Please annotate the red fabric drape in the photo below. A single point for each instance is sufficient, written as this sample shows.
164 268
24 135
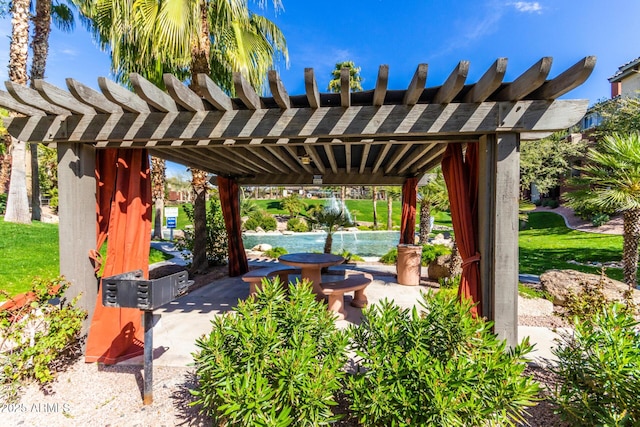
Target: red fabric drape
230 203
408 218
124 214
461 177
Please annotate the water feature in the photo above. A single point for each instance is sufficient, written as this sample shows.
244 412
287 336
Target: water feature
363 243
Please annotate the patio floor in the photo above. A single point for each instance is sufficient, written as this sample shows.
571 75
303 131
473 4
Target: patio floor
179 323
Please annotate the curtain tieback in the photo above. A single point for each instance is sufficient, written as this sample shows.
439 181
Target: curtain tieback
471 259
96 258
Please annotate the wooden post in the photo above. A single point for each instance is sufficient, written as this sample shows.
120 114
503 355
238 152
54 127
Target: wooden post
77 228
498 222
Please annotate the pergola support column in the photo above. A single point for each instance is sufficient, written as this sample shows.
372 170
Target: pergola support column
77 227
499 172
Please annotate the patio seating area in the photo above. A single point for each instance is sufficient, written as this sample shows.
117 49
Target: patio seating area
178 324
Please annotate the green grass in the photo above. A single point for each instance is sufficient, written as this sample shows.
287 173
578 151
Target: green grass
27 251
547 244
30 251
362 209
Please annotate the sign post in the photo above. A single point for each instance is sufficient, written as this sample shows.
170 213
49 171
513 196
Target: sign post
171 215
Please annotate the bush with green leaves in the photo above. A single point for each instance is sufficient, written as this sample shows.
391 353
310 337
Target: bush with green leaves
599 219
275 252
262 219
277 361
3 203
437 366
429 253
38 338
298 225
217 242
599 368
390 257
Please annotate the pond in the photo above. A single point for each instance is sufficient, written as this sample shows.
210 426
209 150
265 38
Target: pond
363 243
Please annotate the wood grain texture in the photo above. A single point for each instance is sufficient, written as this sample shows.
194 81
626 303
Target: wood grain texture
91 97
213 94
181 94
153 95
61 98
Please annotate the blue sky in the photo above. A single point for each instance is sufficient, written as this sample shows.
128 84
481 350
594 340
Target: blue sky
404 33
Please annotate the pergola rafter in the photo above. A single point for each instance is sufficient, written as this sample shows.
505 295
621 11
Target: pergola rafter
374 137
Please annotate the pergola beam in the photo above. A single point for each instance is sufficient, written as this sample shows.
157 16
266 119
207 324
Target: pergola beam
181 94
213 94
153 95
528 81
453 84
61 98
381 85
416 87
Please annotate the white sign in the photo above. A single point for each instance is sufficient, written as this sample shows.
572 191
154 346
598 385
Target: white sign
171 212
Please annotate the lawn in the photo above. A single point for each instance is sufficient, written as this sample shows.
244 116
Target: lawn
30 251
360 209
547 244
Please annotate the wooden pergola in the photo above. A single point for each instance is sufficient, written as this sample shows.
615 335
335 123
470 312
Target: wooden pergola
375 137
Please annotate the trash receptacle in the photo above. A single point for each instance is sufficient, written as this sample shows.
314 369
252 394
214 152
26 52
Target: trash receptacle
408 264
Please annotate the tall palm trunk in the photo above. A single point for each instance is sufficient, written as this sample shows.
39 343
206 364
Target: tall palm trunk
200 64
328 242
199 185
40 49
631 238
425 222
17 200
389 211
5 166
374 191
158 168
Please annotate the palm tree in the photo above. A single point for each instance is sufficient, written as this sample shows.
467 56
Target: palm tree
612 179
61 14
158 169
393 193
355 81
17 202
374 199
433 195
330 219
213 37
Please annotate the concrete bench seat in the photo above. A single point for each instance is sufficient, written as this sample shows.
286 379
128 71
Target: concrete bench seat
254 277
335 292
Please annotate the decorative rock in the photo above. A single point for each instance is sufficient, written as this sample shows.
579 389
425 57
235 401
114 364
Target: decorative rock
439 267
262 247
259 230
559 282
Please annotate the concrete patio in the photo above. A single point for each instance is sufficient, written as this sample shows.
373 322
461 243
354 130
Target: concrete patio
178 324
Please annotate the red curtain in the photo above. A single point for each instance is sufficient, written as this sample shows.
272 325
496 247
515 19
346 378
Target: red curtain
124 215
230 203
408 219
461 176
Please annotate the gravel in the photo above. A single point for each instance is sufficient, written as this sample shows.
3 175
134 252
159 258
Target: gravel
97 395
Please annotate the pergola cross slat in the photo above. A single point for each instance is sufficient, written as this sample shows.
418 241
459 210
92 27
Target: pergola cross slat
376 137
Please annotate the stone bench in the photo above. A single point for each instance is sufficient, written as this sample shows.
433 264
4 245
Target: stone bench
254 277
335 292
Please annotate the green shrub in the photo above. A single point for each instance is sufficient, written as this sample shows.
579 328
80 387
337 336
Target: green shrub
275 362
431 252
599 365
599 219
298 225
38 338
348 256
217 242
390 257
262 219
3 203
275 252
450 282
438 367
